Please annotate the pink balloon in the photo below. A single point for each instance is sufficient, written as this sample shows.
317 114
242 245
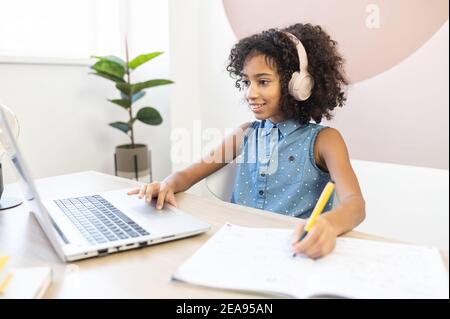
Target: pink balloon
373 36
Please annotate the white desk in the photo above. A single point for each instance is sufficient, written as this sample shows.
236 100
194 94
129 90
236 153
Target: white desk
141 273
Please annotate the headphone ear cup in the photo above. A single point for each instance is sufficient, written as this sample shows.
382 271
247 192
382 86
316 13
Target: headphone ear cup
293 87
300 86
306 86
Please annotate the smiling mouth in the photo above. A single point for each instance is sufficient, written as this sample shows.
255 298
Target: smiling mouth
257 107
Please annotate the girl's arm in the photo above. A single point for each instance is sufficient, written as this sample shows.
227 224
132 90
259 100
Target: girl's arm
184 179
332 156
215 160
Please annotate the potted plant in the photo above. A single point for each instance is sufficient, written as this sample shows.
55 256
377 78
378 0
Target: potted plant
130 159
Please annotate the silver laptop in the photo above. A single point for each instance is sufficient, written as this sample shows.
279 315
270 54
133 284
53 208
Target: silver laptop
89 225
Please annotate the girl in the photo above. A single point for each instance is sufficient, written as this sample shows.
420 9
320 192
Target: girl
290 77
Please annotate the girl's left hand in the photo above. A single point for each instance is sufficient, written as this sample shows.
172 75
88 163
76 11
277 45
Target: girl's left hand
319 242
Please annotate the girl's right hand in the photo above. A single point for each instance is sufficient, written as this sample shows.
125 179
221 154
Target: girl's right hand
160 190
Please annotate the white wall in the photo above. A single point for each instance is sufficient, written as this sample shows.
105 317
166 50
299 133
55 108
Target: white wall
63 112
401 115
200 40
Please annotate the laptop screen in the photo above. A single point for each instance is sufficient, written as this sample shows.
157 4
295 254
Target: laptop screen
26 182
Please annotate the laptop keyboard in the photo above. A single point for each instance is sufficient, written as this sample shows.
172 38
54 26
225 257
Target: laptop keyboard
98 220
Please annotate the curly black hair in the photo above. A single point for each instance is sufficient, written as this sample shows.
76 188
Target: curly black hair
325 64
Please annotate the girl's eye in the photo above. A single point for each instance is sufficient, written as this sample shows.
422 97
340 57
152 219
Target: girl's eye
246 83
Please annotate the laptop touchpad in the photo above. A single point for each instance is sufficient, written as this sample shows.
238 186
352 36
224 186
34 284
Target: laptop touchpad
142 212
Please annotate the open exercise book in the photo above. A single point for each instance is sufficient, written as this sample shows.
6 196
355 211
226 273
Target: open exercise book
260 260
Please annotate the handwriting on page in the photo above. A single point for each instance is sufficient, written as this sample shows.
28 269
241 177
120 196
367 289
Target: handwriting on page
367 268
249 258
260 259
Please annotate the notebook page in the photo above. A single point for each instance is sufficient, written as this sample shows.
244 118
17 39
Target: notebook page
260 259
369 269
250 259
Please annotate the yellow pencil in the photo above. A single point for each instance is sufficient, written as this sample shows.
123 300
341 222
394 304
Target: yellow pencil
4 280
320 205
4 284
3 261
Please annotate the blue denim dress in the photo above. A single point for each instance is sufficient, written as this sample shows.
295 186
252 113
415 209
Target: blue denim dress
276 169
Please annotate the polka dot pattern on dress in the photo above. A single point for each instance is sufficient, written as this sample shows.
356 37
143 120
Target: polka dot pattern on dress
294 185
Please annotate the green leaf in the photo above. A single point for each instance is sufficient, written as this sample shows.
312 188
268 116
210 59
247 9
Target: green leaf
110 68
124 88
107 76
149 115
112 58
134 89
148 84
121 126
123 103
143 58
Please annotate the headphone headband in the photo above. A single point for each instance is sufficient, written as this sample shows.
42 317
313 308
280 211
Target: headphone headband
301 84
302 57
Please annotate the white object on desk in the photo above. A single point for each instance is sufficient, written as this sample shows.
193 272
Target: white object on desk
260 259
11 119
28 283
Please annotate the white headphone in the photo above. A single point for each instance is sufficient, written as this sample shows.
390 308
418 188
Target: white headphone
301 83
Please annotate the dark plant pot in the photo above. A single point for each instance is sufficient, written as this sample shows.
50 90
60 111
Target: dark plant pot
132 162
